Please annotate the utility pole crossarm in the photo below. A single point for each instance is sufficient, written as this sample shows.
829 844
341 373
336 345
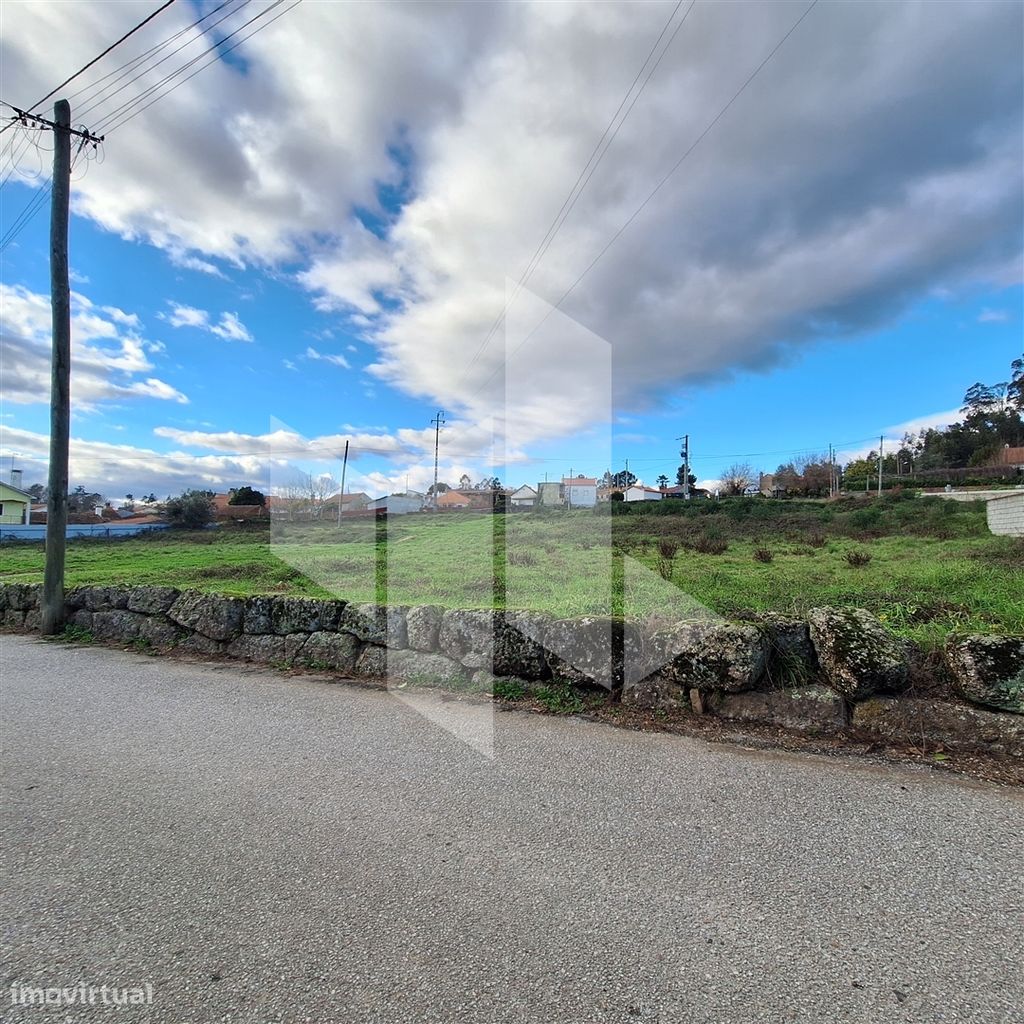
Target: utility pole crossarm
34 119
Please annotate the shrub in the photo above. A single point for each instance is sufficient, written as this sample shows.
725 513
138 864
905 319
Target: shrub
711 545
667 547
617 496
191 510
764 554
816 539
858 558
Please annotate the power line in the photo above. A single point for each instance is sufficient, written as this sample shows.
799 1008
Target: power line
657 188
216 57
327 452
97 100
135 62
113 46
586 172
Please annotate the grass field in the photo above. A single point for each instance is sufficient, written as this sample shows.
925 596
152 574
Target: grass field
928 566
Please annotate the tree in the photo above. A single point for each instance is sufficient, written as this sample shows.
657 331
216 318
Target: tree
738 477
489 483
1015 389
663 481
623 479
679 477
38 491
442 488
247 496
465 484
81 500
191 510
617 496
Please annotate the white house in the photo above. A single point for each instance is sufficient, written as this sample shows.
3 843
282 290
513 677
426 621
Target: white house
638 492
579 491
525 495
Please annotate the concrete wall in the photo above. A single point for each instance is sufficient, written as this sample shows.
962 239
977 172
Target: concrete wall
978 495
1006 515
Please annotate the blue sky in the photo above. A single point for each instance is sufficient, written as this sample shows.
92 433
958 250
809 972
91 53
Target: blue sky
838 285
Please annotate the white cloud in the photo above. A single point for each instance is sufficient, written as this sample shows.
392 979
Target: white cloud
231 328
993 316
876 159
228 327
338 360
109 361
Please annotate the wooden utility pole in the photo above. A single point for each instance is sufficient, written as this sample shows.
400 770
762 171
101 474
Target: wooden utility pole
52 604
341 493
881 443
438 422
685 453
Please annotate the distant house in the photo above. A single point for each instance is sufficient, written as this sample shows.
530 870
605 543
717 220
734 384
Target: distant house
550 493
351 501
638 492
1013 458
223 509
579 491
452 499
15 504
397 504
524 496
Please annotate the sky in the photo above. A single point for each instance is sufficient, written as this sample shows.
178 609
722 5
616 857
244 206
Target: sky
581 230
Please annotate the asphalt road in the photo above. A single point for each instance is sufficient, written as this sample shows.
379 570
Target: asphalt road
258 848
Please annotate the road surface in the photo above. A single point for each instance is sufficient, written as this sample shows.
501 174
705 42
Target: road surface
259 848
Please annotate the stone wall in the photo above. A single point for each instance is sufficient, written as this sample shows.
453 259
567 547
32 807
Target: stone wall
835 671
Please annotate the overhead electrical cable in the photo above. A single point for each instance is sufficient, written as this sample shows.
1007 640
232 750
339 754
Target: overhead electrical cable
217 52
113 46
587 171
96 93
664 180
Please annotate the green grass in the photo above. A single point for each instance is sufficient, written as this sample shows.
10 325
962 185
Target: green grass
934 568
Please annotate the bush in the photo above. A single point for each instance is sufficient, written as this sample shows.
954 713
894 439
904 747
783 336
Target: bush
858 558
617 496
764 555
191 510
667 547
711 545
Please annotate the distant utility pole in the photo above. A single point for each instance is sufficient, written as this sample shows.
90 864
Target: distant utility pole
438 422
831 471
881 442
52 603
341 493
686 465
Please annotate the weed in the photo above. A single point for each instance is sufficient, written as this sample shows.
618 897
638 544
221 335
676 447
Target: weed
77 635
523 558
560 698
509 689
764 555
858 559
